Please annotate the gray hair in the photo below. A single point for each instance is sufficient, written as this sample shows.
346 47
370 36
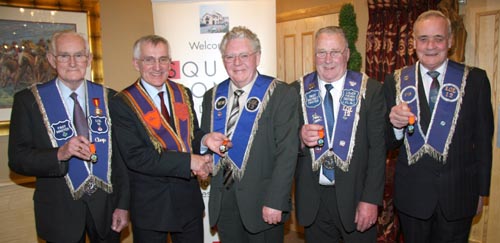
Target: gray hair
432 13
153 39
57 34
237 33
332 30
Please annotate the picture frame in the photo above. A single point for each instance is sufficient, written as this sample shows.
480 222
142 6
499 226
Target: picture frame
84 18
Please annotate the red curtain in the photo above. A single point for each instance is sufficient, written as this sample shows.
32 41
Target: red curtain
389 40
389 46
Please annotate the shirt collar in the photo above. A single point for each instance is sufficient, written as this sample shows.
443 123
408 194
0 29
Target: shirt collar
247 88
151 90
337 85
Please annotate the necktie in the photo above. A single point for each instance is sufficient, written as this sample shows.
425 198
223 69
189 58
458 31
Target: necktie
164 111
231 122
330 121
433 91
79 118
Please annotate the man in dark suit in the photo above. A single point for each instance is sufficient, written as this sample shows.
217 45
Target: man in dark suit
60 132
340 174
157 134
444 166
250 190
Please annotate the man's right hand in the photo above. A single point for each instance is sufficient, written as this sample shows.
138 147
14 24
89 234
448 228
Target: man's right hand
201 165
309 134
78 146
399 115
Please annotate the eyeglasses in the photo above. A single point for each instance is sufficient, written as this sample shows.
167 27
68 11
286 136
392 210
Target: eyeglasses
242 56
78 57
334 53
152 61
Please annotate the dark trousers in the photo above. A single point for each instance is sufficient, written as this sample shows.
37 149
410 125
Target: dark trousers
192 232
435 229
231 229
91 230
328 228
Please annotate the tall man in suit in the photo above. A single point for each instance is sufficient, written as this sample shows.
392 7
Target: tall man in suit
60 132
340 174
250 190
444 166
158 135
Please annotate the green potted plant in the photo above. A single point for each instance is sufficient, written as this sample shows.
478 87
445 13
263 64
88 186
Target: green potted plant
347 21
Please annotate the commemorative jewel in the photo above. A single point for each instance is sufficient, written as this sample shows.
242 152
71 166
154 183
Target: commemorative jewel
96 102
90 186
321 140
411 127
223 148
93 156
328 162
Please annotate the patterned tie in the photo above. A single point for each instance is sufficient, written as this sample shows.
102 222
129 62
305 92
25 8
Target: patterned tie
330 121
433 92
79 118
231 122
164 111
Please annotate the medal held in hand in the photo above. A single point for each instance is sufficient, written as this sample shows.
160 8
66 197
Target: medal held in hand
93 156
321 140
411 125
223 148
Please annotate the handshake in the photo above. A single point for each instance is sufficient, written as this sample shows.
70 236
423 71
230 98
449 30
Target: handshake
202 165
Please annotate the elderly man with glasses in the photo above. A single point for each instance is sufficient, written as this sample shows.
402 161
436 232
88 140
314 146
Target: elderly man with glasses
157 133
340 172
60 132
253 172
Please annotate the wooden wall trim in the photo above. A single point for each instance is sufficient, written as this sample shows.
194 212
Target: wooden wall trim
311 12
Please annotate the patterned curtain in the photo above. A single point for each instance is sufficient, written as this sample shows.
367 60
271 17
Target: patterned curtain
389 40
389 46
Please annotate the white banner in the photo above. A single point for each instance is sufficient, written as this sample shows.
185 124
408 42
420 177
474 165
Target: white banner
195 30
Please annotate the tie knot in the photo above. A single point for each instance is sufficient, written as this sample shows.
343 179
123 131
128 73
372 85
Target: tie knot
328 87
238 92
74 96
433 74
161 94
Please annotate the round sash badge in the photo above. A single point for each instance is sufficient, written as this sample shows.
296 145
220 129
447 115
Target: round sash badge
253 104
409 94
450 92
220 103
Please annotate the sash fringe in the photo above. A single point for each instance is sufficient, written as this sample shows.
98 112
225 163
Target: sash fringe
426 148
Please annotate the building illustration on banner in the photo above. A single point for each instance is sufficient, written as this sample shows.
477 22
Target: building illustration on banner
213 19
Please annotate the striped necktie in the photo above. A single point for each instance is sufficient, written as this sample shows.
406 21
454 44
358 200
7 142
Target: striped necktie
231 124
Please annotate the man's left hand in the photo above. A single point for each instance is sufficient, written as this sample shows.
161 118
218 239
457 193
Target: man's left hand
366 216
120 220
271 215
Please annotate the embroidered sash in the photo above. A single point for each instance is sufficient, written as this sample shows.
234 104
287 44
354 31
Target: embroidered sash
443 121
341 145
160 132
60 129
246 126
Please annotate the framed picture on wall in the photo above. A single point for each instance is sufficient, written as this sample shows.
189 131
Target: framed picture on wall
25 38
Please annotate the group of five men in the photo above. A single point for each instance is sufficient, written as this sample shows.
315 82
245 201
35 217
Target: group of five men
98 154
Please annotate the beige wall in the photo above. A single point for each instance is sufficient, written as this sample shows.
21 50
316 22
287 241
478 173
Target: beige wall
122 23
360 8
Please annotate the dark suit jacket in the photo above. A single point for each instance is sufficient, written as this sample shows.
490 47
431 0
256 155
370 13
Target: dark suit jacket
164 195
465 176
364 181
269 172
58 217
